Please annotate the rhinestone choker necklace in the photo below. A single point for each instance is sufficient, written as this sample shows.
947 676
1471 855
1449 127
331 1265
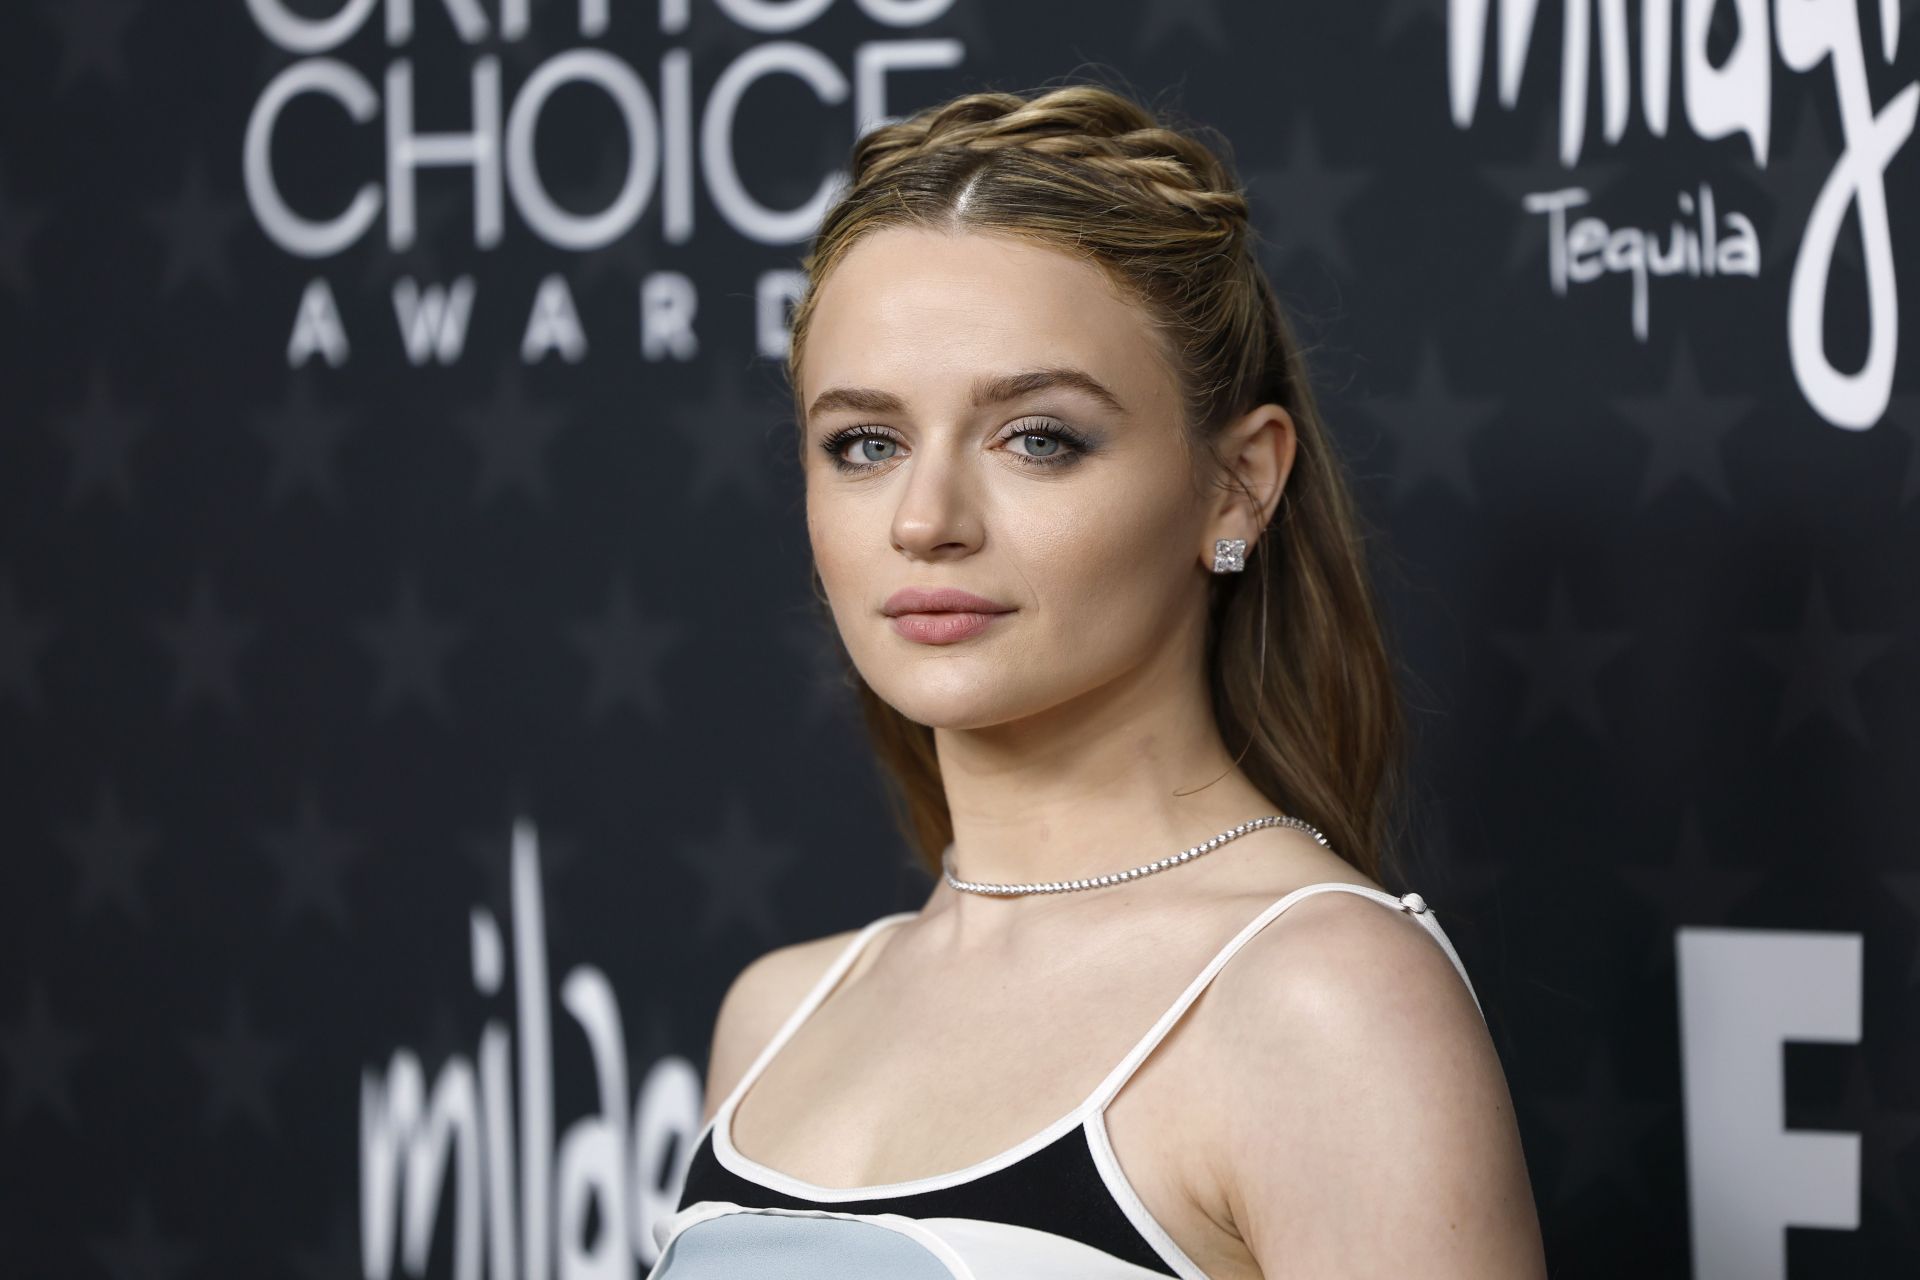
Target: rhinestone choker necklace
1120 877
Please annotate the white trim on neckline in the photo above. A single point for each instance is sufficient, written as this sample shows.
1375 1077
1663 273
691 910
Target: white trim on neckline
730 1156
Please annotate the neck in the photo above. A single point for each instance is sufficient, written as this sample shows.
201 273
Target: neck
1084 791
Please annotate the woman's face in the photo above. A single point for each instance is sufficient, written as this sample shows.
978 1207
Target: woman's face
1075 512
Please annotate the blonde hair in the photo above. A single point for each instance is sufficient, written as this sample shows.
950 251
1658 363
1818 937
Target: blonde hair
1091 172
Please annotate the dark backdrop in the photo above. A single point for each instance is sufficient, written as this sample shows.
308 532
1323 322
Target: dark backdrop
368 484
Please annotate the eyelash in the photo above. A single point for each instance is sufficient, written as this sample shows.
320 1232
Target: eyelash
835 444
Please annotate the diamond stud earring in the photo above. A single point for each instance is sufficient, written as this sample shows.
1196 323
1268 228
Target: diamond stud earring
1229 555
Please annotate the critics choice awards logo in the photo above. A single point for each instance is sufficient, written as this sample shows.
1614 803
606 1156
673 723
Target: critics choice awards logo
677 144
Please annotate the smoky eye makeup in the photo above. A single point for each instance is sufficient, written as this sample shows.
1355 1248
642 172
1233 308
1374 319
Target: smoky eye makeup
1065 445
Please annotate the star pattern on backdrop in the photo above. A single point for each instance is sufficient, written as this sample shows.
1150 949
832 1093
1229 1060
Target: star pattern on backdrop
311 857
1199 18
237 1064
827 685
39 1055
1302 204
728 439
1399 15
410 646
1687 888
1599 1129
1685 428
1433 429
204 644
196 226
21 223
108 852
1903 413
740 872
337 1257
304 438
625 648
1794 176
24 638
140 1250
1562 662
1904 888
99 436
1820 664
93 36
510 433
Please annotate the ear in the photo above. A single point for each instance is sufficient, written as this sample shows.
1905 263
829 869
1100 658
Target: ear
1257 449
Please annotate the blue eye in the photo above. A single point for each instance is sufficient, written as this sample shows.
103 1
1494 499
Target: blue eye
1055 441
864 441
1062 446
836 444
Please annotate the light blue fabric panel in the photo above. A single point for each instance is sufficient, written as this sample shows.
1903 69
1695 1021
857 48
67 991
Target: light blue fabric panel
761 1246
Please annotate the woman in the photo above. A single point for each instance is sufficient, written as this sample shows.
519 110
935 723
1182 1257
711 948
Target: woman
1053 427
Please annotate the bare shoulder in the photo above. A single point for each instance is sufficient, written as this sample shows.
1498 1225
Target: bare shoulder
1367 1127
1356 966
757 1002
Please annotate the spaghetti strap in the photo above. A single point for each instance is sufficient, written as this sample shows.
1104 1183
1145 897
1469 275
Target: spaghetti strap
808 1003
1411 903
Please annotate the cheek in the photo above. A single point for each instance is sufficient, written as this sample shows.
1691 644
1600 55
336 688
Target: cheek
836 535
1109 559
821 526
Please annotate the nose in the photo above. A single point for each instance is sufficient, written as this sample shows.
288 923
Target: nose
937 516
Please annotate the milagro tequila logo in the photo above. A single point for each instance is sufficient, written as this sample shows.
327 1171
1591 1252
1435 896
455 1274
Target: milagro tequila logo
1734 96
520 1202
676 145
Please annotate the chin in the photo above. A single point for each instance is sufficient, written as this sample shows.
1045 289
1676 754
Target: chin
944 699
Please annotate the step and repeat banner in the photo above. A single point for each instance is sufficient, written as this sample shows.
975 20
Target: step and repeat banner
414 711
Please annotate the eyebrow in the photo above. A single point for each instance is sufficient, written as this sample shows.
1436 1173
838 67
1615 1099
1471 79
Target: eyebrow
988 390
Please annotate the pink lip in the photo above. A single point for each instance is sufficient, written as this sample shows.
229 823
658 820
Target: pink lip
940 600
942 615
942 628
